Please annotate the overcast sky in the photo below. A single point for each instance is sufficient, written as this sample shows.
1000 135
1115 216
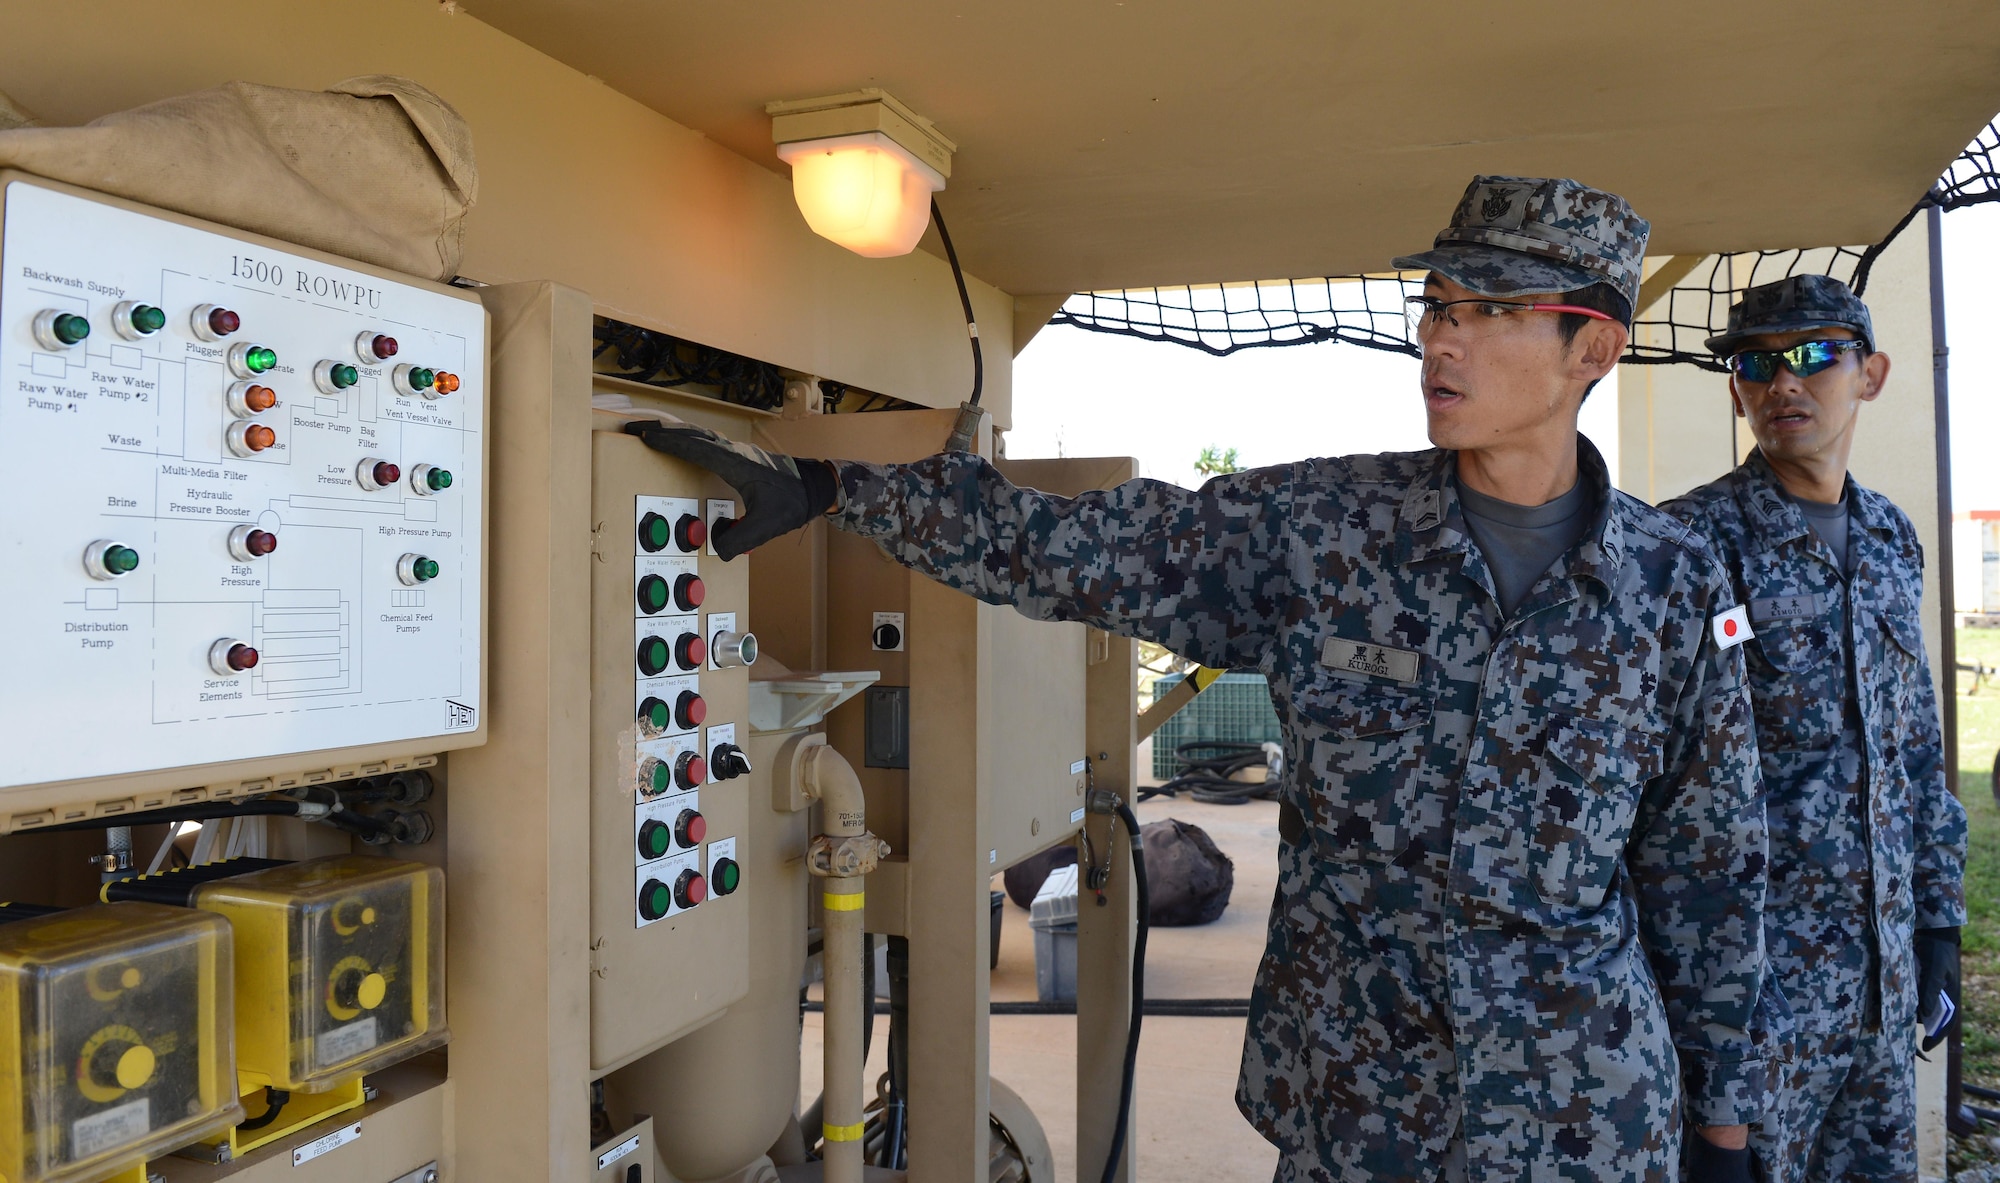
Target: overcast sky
1088 394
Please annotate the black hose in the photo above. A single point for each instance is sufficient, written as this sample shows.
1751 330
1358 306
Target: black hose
275 1101
1210 778
1974 1090
965 301
1144 902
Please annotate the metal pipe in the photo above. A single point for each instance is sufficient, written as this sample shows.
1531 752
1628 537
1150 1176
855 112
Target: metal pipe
842 856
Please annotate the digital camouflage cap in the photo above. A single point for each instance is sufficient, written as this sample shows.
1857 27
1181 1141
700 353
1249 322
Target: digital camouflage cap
1514 235
1791 304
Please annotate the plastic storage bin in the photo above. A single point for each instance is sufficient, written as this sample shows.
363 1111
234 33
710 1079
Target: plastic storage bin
1053 917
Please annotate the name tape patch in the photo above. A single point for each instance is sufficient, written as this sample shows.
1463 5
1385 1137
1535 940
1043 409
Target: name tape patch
1363 659
1776 608
1731 628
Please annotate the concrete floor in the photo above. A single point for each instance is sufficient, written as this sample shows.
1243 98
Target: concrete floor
1188 1128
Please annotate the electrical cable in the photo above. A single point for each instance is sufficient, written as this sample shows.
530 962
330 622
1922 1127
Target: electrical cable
969 413
353 823
275 1101
1211 779
1143 898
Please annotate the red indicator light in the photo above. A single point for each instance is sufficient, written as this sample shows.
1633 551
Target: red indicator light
260 398
383 347
230 656
385 473
222 322
260 542
242 657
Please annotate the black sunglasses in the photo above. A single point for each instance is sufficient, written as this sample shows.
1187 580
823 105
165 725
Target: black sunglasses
1804 359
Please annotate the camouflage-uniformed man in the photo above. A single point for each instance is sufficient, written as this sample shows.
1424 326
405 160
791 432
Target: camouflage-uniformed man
1522 858
1867 843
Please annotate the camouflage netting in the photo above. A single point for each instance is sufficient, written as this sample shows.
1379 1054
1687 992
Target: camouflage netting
1221 319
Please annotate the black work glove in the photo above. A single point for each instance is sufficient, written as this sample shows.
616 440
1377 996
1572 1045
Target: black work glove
780 494
1709 1163
1937 977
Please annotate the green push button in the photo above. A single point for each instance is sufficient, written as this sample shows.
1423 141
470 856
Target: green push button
121 560
652 594
655 714
655 899
655 840
655 532
725 876
660 778
654 656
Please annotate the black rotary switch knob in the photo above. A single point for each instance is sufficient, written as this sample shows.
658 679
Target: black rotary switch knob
690 889
727 762
656 838
888 636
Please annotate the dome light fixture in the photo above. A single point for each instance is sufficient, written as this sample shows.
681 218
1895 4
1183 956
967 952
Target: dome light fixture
864 167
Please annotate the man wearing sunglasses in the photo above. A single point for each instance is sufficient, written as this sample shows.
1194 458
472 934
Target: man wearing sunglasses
1867 843
1521 850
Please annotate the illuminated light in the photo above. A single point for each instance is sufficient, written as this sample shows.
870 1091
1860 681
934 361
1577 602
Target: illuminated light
444 383
865 192
689 592
428 480
414 381
229 657
247 360
690 532
654 657
725 876
135 322
690 828
248 398
373 347
248 543
654 533
211 323
332 377
375 473
55 329
105 559
690 710
248 439
413 569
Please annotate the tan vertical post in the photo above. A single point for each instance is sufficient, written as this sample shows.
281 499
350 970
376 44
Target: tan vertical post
1104 933
518 843
949 905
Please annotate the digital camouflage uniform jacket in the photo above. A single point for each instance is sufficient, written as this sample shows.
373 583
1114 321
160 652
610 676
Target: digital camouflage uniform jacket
1867 843
1526 905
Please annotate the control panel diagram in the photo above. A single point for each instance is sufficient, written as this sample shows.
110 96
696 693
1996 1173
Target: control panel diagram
248 508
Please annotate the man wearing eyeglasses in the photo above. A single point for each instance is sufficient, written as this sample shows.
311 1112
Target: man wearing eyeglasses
1867 843
1518 928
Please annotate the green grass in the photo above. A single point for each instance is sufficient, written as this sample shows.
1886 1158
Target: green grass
1978 740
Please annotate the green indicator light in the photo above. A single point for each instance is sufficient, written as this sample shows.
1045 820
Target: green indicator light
148 319
121 560
421 378
438 479
70 328
343 376
259 358
727 879
425 570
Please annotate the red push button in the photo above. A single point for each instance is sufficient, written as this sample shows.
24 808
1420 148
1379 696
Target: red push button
689 592
690 651
690 889
690 770
689 829
690 532
690 710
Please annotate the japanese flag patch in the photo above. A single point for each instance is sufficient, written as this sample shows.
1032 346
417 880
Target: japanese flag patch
1732 628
